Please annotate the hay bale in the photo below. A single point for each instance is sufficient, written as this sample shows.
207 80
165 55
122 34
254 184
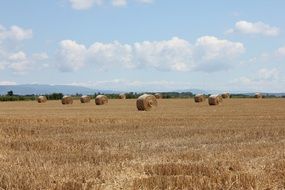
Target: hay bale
122 96
85 99
146 102
215 99
199 98
226 95
67 100
158 96
220 98
42 99
101 100
258 95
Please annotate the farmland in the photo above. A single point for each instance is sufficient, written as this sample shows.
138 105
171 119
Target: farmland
239 144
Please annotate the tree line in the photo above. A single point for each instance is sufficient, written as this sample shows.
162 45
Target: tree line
10 96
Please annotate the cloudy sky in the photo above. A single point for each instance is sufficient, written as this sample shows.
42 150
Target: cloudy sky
234 45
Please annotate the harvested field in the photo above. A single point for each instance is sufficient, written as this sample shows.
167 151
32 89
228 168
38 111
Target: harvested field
239 144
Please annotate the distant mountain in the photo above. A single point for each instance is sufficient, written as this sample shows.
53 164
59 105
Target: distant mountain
37 89
198 91
48 89
25 89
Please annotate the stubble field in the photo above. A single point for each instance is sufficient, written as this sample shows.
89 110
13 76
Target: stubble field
180 145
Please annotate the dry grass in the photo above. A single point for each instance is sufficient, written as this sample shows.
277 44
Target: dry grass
179 145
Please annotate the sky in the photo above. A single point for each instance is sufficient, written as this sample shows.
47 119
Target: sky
154 45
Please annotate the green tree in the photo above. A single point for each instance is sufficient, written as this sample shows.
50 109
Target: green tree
10 93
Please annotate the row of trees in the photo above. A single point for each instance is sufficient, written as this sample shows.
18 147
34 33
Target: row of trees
165 95
10 96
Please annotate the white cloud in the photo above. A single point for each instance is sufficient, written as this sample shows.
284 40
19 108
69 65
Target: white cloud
84 4
280 52
18 57
20 34
40 56
2 57
214 48
268 74
71 56
11 56
266 80
5 83
267 57
207 54
260 28
16 61
87 4
15 33
146 1
214 54
2 66
19 62
119 3
174 54
111 54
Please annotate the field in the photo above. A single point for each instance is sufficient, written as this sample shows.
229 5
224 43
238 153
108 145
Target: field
180 145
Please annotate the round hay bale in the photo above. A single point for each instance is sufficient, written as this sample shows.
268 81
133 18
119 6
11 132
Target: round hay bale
199 98
122 96
67 100
220 98
85 99
42 99
226 95
158 96
258 95
146 102
101 100
215 99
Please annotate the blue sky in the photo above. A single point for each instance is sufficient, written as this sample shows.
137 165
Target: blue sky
157 45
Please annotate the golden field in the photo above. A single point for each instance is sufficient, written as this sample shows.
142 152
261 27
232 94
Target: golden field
180 145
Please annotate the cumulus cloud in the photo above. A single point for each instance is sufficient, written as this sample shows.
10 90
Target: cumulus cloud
14 58
259 28
268 74
5 83
71 56
15 33
213 54
119 3
280 52
19 62
40 56
214 48
2 66
84 4
264 80
111 55
145 1
267 57
175 54
18 57
87 4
